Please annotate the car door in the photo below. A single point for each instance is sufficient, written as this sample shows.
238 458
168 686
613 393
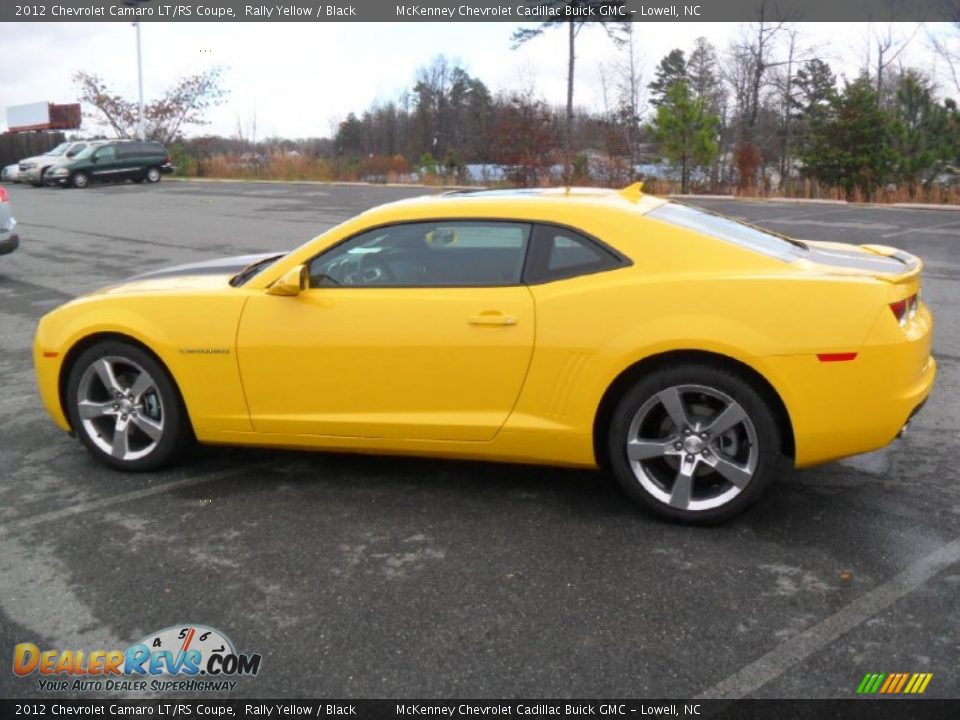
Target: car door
419 331
105 165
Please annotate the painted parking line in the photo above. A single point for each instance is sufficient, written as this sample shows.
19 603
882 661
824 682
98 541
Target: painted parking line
924 228
84 507
778 661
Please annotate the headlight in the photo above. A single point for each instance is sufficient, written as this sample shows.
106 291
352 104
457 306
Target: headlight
58 171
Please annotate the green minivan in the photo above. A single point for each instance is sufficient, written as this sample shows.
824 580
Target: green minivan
113 161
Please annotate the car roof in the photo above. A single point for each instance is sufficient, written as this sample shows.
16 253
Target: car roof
526 201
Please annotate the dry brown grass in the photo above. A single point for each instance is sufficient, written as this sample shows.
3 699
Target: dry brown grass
278 167
396 170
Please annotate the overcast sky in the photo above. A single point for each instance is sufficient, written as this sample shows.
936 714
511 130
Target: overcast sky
299 79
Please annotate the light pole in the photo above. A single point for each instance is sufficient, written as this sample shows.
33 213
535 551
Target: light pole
140 130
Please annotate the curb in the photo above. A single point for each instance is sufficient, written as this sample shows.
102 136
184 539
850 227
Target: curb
328 183
701 196
817 201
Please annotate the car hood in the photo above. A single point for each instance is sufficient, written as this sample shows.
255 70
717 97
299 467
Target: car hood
209 274
37 158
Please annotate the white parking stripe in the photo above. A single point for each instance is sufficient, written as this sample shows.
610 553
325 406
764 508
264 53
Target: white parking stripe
125 497
952 223
775 663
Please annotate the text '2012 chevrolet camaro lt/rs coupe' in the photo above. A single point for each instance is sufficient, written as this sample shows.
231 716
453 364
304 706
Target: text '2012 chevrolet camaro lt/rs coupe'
686 353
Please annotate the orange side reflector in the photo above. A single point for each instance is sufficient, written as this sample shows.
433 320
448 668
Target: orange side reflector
50 353
836 357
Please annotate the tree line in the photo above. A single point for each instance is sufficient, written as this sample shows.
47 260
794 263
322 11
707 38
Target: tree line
763 114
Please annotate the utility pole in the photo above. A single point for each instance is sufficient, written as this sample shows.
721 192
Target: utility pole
140 130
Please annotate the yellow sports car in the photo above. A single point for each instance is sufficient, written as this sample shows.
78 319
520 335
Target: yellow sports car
686 353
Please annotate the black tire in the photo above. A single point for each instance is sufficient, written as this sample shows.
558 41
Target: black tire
653 478
160 404
79 180
153 175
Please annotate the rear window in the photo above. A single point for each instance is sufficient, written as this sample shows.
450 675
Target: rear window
732 231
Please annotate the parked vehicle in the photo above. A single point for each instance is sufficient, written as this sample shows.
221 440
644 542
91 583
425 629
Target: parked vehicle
10 173
32 169
9 241
685 352
112 161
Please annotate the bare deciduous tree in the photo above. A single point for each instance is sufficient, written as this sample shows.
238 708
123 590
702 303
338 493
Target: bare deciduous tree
186 103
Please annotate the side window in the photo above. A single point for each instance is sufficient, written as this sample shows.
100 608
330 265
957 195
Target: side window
559 253
429 254
106 153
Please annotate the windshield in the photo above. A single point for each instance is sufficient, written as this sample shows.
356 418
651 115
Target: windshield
729 230
86 152
248 272
60 149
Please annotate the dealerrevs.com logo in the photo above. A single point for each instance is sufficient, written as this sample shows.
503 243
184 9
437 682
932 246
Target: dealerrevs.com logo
179 658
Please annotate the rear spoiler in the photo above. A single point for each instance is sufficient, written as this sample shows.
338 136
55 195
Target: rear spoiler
913 265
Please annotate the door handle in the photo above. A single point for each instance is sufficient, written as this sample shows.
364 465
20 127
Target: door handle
492 319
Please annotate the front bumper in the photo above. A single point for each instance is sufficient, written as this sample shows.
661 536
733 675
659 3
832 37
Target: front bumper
30 176
9 241
55 180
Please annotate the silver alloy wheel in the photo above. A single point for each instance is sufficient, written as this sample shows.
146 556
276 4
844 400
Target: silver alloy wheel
153 175
120 408
80 180
692 447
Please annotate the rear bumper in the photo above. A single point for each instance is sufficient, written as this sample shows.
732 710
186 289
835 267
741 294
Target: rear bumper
168 169
8 242
839 409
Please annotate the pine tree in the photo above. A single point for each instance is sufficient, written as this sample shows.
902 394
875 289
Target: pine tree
672 68
686 130
850 143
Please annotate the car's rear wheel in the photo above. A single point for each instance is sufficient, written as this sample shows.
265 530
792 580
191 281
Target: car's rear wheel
694 443
79 179
153 175
125 408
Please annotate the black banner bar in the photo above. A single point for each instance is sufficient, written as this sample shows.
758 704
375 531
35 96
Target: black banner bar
868 709
515 11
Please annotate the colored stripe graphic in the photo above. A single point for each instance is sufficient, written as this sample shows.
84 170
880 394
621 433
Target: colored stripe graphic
894 683
903 680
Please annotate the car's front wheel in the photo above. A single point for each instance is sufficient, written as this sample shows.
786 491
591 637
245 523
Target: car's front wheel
125 408
694 443
79 180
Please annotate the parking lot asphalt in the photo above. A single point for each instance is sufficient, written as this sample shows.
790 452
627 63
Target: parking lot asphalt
359 576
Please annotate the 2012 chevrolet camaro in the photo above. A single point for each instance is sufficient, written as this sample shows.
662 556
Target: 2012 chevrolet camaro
686 353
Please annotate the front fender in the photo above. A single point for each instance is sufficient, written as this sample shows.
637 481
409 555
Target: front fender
193 337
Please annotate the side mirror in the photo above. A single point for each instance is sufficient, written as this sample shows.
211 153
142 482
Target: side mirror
94 158
295 280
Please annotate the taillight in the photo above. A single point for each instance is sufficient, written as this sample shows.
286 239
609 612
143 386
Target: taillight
906 309
166 160
3 195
